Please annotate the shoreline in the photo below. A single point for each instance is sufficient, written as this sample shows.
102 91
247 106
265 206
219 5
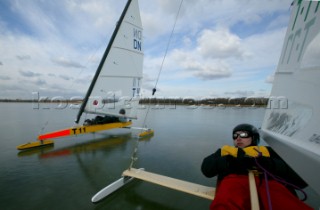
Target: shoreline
160 103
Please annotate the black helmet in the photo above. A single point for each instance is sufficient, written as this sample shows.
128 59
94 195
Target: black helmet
122 111
253 132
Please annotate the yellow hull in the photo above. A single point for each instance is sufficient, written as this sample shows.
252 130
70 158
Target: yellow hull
44 138
34 144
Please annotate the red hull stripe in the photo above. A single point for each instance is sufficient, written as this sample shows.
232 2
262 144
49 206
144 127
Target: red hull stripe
56 134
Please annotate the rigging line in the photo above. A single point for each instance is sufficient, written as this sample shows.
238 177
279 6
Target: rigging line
135 151
165 54
43 127
278 179
164 57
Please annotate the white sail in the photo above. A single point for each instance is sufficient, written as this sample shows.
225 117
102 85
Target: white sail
116 84
292 120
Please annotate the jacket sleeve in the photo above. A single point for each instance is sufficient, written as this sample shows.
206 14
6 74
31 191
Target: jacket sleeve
214 164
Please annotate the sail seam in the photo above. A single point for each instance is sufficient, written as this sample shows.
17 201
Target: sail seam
121 48
137 26
115 76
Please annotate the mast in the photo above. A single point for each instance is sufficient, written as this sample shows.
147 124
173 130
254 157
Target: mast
105 55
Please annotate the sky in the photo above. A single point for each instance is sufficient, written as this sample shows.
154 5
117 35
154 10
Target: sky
218 48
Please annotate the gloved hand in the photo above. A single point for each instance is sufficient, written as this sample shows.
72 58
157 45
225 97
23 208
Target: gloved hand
242 160
242 163
229 150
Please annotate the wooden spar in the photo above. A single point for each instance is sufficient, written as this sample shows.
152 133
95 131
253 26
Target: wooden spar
172 183
175 184
253 192
83 130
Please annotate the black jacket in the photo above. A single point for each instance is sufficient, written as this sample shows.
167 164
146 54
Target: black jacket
221 166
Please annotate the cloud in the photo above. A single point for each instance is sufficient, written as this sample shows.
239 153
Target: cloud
208 60
219 43
11 90
65 77
270 79
40 82
208 70
29 74
240 93
23 57
1 63
84 80
61 61
5 77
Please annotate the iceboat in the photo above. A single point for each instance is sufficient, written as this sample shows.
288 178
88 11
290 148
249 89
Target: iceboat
114 92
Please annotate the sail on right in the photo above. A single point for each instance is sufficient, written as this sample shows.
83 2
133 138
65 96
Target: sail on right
115 88
292 120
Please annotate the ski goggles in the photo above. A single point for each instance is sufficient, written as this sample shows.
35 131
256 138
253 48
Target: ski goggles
241 135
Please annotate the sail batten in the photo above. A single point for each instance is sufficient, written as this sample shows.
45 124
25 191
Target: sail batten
120 69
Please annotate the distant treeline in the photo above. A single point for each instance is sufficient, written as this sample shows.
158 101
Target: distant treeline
208 101
171 101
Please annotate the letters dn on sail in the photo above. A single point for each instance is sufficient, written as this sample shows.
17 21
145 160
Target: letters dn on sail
137 39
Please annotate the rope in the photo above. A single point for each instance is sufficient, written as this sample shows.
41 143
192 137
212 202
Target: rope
164 57
134 157
165 54
43 127
276 178
268 191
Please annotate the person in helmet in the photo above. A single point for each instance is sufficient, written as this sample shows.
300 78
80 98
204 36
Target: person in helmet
231 165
